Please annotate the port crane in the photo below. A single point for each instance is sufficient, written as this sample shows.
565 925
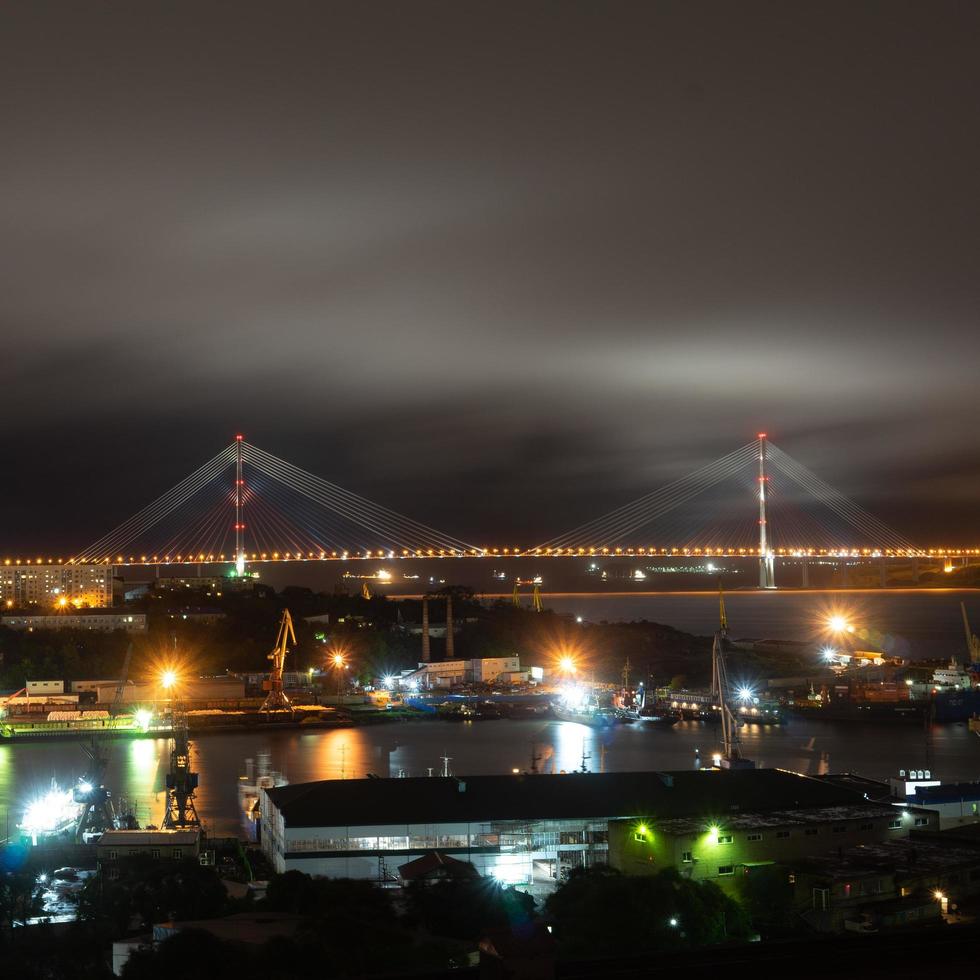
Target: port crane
276 700
972 642
731 757
536 603
97 813
181 811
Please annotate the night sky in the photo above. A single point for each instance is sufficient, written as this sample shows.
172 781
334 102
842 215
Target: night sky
501 267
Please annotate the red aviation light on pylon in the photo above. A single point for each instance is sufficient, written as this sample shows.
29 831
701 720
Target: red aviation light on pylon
761 435
239 438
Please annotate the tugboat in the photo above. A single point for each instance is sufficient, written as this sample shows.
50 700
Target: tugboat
581 705
646 712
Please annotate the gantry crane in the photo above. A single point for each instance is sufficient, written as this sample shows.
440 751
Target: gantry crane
276 699
536 603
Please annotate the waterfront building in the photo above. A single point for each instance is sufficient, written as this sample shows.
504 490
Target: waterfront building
534 829
894 883
165 845
727 846
101 620
454 673
47 585
955 804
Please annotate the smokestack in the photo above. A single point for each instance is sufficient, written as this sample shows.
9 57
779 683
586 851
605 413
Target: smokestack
449 627
425 630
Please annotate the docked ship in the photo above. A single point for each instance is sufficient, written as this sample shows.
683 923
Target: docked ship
586 714
633 706
259 775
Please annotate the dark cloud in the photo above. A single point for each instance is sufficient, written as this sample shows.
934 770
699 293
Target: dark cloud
501 267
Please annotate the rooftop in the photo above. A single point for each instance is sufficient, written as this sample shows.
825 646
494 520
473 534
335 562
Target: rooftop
946 793
903 856
708 793
141 838
778 818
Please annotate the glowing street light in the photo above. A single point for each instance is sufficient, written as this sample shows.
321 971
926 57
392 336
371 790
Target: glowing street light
745 694
567 665
168 679
839 624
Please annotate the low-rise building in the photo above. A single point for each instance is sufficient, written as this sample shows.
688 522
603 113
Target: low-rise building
101 620
889 884
454 673
533 829
167 845
720 846
955 803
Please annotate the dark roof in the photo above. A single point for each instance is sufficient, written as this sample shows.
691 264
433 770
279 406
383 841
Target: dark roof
946 793
435 864
874 789
436 799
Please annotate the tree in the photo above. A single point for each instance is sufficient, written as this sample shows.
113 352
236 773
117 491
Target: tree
600 912
153 890
466 908
20 897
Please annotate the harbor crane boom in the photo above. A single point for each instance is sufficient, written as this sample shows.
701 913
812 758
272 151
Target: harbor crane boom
972 642
276 699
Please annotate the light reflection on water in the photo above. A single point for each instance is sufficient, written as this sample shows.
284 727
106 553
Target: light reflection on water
137 768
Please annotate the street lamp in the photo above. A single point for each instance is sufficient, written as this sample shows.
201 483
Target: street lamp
567 665
168 679
339 665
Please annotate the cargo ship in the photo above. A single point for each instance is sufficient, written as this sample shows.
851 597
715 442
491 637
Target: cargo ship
862 701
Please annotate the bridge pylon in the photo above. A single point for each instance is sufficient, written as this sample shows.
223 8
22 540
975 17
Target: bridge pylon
767 570
239 515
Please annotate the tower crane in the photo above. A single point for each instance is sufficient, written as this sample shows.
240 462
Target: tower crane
276 699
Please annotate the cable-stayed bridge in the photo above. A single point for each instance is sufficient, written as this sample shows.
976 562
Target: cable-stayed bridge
246 505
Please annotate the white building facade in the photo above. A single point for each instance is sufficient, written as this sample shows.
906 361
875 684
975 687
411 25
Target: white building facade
530 830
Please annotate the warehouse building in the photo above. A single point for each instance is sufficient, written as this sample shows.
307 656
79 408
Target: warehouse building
532 829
